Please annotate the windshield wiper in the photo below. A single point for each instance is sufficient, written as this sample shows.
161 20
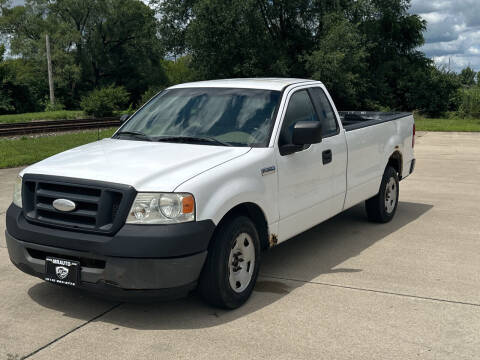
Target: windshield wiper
194 139
137 134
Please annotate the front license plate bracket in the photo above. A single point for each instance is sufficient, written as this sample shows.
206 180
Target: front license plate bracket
62 271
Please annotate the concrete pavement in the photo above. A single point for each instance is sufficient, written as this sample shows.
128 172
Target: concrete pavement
346 289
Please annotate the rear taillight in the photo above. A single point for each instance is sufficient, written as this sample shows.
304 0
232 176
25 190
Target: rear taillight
413 137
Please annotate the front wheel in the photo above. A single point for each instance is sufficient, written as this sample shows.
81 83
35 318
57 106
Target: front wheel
382 207
232 265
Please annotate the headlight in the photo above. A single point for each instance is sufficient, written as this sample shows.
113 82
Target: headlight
17 192
162 208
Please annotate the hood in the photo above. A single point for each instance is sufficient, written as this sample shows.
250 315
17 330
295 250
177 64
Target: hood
147 166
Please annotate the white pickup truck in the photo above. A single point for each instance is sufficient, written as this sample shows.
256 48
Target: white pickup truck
201 180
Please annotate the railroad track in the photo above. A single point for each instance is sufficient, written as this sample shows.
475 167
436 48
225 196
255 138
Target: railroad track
38 127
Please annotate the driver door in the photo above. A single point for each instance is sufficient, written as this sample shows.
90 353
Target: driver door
305 178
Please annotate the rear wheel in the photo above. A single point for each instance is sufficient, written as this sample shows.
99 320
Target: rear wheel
382 207
232 265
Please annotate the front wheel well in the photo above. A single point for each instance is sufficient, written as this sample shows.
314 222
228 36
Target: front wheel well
256 214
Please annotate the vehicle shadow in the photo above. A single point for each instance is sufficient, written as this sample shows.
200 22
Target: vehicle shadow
304 258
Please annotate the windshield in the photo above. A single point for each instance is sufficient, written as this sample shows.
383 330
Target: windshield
238 117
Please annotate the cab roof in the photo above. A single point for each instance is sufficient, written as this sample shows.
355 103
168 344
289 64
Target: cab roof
247 83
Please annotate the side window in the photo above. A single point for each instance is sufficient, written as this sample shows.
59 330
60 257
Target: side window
325 111
300 108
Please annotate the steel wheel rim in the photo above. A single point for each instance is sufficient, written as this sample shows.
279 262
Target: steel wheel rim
391 193
241 262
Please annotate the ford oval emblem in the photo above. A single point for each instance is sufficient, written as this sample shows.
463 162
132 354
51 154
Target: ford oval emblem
64 205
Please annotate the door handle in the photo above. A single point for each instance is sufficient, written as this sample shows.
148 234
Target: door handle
327 156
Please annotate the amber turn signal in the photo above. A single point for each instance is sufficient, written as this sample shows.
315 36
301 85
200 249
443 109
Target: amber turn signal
188 204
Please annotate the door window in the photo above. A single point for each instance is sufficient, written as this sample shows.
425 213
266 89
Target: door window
325 111
300 108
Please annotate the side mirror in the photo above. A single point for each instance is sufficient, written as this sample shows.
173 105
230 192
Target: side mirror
304 133
124 118
307 133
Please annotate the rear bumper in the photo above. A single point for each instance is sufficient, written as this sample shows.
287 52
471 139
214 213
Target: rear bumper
137 262
412 166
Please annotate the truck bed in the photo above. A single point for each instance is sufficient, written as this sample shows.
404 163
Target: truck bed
352 120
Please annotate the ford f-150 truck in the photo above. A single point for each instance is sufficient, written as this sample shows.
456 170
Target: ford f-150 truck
195 185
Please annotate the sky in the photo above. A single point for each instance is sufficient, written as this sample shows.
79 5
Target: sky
453 31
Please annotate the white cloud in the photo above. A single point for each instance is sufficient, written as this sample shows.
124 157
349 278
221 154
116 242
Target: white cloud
434 17
473 50
453 31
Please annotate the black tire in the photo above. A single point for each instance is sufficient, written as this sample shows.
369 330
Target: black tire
375 206
214 285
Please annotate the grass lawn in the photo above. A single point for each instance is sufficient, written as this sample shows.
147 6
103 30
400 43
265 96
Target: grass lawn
446 124
27 150
51 115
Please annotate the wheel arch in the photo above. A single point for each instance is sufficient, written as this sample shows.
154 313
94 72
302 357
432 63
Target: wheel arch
255 213
396 161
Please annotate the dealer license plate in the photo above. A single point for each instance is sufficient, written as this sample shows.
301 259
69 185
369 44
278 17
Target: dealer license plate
61 271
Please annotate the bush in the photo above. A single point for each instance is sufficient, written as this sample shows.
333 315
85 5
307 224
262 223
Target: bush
180 71
433 93
103 102
470 102
151 92
57 106
128 111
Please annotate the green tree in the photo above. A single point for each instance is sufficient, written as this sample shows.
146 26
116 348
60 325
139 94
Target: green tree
5 96
468 76
340 62
433 91
95 43
115 42
394 36
21 89
240 37
180 70
365 51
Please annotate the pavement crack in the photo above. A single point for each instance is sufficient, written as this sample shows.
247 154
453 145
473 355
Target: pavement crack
373 290
71 331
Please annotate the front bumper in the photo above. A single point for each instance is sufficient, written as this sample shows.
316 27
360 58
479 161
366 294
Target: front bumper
139 261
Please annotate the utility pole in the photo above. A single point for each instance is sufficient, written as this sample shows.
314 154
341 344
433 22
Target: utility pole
49 66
